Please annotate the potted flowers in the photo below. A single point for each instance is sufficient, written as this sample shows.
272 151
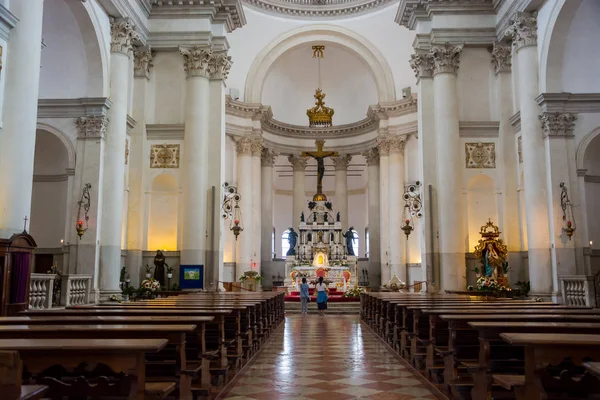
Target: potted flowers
148 272
148 287
169 272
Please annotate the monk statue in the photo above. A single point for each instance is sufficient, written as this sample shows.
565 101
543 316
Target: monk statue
349 235
292 238
159 267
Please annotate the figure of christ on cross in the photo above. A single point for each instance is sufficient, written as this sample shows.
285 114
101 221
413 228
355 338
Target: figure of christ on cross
320 155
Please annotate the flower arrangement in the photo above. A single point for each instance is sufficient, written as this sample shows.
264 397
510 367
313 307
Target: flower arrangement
300 274
488 284
150 284
355 292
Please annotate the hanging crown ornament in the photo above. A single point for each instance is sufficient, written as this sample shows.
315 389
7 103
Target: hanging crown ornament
319 116
489 231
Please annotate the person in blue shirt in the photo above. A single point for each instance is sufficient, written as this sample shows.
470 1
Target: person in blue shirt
321 288
304 296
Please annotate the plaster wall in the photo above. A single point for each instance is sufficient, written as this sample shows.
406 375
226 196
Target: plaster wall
169 89
474 84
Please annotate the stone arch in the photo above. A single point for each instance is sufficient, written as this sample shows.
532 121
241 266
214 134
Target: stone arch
322 33
582 148
63 138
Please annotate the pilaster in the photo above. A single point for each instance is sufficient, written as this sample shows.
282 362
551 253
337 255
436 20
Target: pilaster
245 241
266 253
256 148
383 146
341 163
373 203
396 177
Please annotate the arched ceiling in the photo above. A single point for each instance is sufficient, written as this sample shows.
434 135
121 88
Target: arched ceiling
290 85
318 9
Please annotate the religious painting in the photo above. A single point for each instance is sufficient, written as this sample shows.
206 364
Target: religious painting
480 155
164 156
520 149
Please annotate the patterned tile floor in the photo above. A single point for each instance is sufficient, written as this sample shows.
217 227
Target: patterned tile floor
331 358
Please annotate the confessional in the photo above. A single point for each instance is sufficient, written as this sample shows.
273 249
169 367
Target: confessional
16 259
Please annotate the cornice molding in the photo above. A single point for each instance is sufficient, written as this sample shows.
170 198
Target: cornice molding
125 9
230 13
7 22
479 129
309 193
165 131
471 37
318 9
291 149
412 11
253 111
592 178
515 121
130 124
295 131
51 178
172 41
569 102
73 108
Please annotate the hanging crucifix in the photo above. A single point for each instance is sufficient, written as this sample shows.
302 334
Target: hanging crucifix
320 156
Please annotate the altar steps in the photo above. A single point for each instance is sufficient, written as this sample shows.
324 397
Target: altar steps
332 308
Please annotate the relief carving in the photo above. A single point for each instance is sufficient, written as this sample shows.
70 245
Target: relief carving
164 155
480 155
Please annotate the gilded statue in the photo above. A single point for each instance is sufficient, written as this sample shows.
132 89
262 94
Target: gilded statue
491 252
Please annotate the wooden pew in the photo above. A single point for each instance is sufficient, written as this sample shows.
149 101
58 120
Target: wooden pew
11 373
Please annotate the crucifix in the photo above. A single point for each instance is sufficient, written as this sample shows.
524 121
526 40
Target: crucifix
320 155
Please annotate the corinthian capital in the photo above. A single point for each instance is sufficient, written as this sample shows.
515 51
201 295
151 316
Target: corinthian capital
397 143
142 62
501 58
243 145
446 58
342 161
219 65
298 162
256 146
372 156
122 36
383 144
267 158
523 30
558 124
422 64
92 127
196 60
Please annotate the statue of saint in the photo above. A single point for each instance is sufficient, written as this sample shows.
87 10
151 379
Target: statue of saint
326 216
490 255
338 217
302 217
159 267
349 235
292 238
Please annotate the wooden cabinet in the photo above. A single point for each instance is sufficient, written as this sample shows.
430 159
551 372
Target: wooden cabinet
16 264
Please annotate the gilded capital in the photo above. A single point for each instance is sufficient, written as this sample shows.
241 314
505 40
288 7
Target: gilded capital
122 36
523 30
342 161
142 62
243 145
219 65
558 124
446 58
372 156
422 64
196 60
92 127
501 58
298 162
267 158
396 144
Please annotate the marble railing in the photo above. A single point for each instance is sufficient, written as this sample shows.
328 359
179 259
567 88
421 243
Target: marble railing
578 290
75 290
40 291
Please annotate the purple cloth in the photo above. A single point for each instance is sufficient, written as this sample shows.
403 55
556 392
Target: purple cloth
20 275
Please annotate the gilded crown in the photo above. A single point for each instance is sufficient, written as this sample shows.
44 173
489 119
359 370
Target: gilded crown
489 230
320 116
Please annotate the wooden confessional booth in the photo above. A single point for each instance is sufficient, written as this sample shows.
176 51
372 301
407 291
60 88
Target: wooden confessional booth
16 263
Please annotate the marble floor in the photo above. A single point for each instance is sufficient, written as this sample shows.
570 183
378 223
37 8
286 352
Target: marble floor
329 358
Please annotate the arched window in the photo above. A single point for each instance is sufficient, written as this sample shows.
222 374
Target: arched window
285 245
367 249
273 252
355 245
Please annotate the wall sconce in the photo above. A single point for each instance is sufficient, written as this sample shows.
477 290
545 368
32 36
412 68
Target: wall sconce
85 202
231 209
567 209
412 207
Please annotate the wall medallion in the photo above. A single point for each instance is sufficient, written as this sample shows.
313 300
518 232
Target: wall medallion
164 156
480 155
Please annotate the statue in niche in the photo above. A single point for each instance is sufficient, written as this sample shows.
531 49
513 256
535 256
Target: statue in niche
320 236
292 239
309 236
491 260
338 217
331 237
349 235
492 253
326 216
302 217
159 267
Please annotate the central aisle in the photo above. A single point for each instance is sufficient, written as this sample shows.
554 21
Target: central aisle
332 358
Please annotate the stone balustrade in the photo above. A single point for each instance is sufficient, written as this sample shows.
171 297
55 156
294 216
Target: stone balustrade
578 290
75 290
40 291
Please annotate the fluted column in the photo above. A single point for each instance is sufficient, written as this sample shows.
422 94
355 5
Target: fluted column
136 205
266 212
422 64
257 147
524 33
449 167
122 37
299 200
396 189
243 253
17 140
219 66
194 161
383 144
341 163
372 157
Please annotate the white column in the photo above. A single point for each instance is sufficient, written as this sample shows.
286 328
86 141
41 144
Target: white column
507 152
256 201
122 36
17 140
524 30
195 155
341 163
449 167
266 212
299 200
397 239
243 253
372 157
219 67
422 64
137 162
384 213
